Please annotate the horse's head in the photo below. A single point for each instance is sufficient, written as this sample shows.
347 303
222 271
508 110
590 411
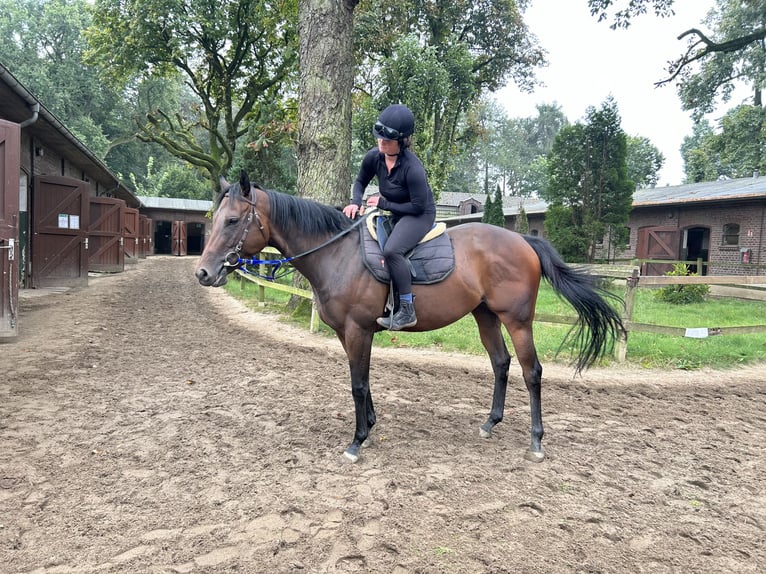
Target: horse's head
237 231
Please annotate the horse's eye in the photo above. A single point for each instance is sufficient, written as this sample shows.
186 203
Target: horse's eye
232 221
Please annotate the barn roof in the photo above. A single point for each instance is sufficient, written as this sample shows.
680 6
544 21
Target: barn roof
176 204
712 191
18 105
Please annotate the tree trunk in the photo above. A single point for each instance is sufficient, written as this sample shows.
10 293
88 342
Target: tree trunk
326 55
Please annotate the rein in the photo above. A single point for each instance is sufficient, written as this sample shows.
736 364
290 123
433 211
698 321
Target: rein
234 260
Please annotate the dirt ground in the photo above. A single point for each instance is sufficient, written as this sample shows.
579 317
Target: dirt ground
148 424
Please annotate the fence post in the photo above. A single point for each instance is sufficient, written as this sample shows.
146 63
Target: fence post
621 346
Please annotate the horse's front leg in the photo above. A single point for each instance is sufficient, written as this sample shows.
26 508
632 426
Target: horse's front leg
358 347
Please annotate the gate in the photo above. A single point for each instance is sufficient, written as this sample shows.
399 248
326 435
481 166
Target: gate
657 243
10 167
59 223
179 238
131 232
105 235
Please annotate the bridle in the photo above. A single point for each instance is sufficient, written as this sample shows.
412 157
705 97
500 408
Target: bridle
234 260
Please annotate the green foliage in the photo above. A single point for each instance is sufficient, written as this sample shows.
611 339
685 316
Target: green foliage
588 188
493 209
486 215
562 228
438 58
522 222
682 294
725 49
644 161
734 151
233 58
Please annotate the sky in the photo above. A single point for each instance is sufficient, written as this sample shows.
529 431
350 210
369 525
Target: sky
588 61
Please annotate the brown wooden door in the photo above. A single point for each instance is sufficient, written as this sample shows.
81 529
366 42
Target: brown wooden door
131 232
10 168
658 243
179 238
59 232
105 251
144 241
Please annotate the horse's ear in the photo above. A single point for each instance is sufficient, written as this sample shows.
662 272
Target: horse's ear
224 184
244 183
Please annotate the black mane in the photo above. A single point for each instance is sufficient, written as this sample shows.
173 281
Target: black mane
289 212
308 217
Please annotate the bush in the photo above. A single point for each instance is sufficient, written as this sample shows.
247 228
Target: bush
682 294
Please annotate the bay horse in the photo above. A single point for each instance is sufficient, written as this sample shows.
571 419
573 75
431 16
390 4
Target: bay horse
496 278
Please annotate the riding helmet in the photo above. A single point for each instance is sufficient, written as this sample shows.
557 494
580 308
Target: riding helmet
396 122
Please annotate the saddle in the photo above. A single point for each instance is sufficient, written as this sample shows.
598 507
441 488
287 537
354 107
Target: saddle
432 260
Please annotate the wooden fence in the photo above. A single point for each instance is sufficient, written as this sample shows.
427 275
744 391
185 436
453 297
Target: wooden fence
633 280
629 273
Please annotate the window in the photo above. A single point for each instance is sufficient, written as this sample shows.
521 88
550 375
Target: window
730 234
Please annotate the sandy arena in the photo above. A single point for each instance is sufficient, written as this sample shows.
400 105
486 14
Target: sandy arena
148 424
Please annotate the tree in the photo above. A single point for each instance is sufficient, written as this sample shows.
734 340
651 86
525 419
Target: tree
522 221
737 150
644 161
589 190
235 57
493 209
699 163
43 45
326 79
713 61
486 215
522 149
438 58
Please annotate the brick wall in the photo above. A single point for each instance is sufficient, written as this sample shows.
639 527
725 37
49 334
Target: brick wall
723 259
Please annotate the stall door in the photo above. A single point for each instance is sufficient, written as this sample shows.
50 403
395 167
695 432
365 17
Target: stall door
59 232
9 216
105 235
131 232
658 243
179 238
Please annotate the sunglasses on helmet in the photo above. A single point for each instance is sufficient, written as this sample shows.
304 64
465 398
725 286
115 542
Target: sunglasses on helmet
385 131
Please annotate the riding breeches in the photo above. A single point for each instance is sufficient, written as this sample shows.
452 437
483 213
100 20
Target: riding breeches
407 232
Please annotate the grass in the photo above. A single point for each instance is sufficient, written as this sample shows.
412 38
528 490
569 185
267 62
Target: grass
644 349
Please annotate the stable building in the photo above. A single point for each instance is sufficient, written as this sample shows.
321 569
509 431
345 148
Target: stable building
179 226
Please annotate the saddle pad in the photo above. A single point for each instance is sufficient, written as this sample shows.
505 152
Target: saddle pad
430 262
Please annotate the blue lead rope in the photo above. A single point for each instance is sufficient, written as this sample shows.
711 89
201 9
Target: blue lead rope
277 263
276 267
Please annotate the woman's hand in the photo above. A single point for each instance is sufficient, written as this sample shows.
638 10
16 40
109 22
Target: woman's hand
372 201
351 210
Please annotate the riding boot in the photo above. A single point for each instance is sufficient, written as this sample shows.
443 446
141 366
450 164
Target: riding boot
403 318
385 320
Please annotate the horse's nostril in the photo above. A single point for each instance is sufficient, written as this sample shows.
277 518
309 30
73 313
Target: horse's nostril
201 273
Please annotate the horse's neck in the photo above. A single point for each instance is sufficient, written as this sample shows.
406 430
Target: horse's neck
320 266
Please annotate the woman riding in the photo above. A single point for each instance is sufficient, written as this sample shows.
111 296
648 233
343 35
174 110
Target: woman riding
404 191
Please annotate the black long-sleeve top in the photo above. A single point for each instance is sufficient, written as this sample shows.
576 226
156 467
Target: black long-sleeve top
405 191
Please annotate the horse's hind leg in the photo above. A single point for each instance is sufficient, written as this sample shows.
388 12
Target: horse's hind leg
492 339
532 370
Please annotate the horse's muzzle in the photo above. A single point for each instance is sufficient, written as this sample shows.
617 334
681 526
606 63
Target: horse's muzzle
207 279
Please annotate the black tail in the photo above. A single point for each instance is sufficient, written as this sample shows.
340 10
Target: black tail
598 324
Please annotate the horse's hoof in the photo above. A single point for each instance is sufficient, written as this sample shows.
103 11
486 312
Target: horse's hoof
485 430
351 455
348 457
534 456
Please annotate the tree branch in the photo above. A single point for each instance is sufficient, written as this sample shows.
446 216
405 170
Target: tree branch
695 53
